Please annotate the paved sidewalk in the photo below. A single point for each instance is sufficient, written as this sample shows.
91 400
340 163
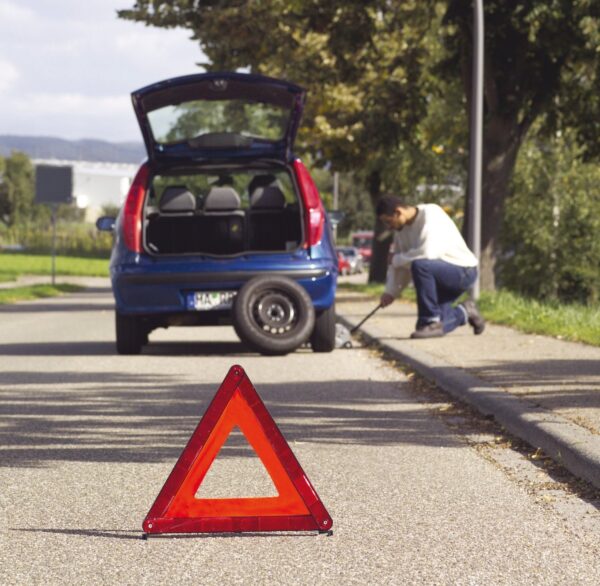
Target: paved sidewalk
544 390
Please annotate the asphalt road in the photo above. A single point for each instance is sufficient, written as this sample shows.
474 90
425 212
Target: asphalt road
87 439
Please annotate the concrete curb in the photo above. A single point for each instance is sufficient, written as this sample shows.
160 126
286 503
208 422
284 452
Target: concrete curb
575 448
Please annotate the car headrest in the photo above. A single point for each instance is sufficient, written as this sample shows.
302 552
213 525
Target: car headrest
177 198
222 199
267 197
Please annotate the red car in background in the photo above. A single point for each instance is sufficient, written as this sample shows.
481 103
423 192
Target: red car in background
363 240
343 264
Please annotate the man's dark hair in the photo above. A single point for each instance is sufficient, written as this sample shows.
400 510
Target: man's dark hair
386 205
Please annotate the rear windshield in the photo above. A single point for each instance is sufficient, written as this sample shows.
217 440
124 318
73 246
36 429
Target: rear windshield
209 121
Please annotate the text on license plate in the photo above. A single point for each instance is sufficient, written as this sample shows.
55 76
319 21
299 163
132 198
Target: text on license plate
209 300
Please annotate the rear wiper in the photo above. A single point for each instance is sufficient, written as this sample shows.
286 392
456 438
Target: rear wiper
220 140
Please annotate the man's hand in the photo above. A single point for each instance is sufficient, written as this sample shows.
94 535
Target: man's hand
386 299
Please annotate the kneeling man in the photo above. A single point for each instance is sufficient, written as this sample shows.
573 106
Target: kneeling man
429 247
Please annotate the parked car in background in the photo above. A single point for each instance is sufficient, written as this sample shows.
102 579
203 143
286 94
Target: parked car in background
363 240
222 224
344 267
354 257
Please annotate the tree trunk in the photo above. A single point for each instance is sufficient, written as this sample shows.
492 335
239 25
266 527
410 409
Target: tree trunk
502 138
381 242
501 143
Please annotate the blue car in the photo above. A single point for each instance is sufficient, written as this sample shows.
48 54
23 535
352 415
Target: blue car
222 224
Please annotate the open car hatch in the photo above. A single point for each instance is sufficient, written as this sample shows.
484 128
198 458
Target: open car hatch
219 116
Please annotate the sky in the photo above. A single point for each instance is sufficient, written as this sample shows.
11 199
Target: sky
67 67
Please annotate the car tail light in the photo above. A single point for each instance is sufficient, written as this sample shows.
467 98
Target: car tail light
313 207
132 211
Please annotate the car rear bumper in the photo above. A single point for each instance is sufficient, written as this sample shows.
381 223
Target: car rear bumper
163 293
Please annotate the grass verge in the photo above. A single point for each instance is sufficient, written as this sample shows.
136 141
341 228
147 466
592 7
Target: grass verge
14 264
35 292
577 323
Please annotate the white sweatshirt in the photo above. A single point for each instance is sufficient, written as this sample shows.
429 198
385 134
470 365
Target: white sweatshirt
432 235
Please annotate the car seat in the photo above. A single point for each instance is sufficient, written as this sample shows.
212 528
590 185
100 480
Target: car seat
222 222
171 231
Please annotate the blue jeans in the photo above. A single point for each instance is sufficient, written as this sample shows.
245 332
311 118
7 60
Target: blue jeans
438 285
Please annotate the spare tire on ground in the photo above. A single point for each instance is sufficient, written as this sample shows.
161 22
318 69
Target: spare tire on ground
273 315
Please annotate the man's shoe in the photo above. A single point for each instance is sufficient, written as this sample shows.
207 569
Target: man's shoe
474 317
434 329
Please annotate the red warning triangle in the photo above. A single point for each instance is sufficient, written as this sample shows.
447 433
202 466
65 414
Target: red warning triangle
296 507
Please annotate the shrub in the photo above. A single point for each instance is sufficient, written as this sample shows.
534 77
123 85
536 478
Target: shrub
72 238
551 225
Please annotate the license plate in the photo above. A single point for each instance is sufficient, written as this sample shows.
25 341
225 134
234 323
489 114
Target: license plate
210 300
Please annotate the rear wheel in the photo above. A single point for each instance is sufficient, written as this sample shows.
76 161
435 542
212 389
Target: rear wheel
322 338
130 336
274 315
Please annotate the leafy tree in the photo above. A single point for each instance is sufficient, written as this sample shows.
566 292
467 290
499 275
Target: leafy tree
355 203
16 188
541 59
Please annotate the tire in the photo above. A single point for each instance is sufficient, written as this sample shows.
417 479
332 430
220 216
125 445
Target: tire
322 338
273 315
129 334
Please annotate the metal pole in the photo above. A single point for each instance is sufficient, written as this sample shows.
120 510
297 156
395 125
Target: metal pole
336 197
476 146
336 190
53 245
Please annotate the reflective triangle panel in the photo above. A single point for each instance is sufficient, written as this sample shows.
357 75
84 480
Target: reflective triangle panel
296 507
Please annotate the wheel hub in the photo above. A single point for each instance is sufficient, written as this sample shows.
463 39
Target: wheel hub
275 313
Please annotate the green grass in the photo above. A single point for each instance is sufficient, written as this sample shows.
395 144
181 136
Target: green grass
14 264
578 323
35 292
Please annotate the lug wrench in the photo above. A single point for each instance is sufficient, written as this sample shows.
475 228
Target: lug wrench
364 319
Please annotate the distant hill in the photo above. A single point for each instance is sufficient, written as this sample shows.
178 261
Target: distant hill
48 147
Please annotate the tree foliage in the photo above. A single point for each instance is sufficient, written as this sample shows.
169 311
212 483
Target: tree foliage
551 223
16 188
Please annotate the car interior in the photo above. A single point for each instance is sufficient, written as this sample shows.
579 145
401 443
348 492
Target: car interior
205 214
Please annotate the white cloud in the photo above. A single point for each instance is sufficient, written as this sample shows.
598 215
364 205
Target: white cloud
13 13
72 104
8 75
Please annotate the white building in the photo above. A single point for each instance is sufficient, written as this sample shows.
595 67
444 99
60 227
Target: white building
96 185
